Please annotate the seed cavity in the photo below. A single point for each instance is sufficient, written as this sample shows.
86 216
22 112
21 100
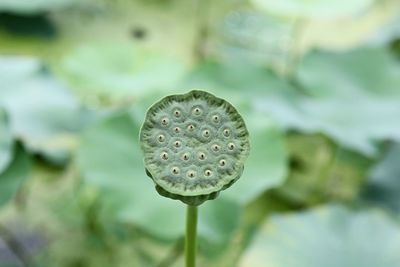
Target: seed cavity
177 130
208 173
165 121
164 155
185 156
215 147
177 143
191 174
161 138
177 113
197 111
215 119
191 127
222 162
206 133
231 146
227 133
175 170
202 156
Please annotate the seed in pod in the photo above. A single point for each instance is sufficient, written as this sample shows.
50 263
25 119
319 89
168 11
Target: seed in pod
207 152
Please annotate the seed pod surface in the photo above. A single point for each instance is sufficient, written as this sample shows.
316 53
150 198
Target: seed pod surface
194 146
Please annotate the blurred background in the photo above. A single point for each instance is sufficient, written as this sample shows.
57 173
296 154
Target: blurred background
317 81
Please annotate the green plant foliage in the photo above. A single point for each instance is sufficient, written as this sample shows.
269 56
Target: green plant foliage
351 74
323 128
313 8
330 107
119 70
16 173
42 113
253 37
34 6
327 236
6 141
383 185
321 171
234 77
129 196
218 221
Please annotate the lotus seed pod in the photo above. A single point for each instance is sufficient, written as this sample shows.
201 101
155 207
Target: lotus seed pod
194 146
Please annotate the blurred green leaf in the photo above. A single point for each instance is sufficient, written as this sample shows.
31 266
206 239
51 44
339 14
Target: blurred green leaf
116 136
313 8
335 82
218 219
119 70
321 171
364 72
33 6
15 174
387 34
6 141
254 37
384 181
328 236
357 127
41 111
238 80
110 159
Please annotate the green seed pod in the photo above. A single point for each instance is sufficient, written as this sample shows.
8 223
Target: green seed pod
194 146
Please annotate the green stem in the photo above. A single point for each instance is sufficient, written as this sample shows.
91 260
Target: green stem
190 241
